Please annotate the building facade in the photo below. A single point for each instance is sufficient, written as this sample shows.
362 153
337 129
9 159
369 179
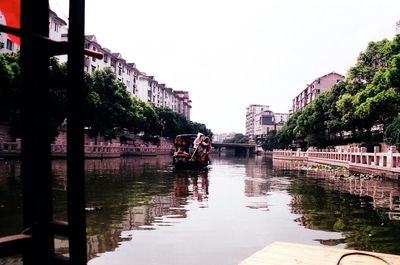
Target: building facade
183 104
138 84
266 122
261 121
313 90
251 112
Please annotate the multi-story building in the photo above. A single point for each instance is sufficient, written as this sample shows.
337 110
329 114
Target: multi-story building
6 45
57 27
313 90
138 84
267 121
183 104
57 32
251 112
260 121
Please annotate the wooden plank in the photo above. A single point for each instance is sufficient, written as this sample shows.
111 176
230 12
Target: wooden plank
12 245
282 253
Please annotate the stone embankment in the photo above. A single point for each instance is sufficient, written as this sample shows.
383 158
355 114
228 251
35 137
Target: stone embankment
101 150
385 163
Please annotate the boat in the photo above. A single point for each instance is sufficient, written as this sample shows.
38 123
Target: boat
191 151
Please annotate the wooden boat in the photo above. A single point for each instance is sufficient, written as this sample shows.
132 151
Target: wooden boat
184 159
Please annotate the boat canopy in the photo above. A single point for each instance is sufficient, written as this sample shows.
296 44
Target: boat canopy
184 140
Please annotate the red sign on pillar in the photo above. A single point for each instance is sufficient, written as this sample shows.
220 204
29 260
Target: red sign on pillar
11 10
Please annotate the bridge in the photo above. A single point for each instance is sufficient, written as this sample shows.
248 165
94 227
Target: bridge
238 147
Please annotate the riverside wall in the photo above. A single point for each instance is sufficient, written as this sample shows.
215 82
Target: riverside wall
12 149
385 163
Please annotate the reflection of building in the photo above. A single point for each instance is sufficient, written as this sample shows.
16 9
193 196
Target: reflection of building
256 182
383 195
313 90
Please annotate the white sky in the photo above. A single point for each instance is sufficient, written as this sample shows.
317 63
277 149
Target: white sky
229 54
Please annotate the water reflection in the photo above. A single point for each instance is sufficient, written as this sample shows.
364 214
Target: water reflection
142 205
364 210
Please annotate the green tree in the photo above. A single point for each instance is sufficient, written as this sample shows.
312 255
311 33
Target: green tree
392 133
238 138
9 88
109 107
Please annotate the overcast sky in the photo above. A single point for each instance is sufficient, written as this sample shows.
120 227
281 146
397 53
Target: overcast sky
229 54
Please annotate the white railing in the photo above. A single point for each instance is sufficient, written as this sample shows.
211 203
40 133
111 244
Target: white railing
359 157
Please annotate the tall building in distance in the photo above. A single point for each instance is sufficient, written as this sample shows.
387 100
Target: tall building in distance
398 27
261 121
251 112
313 90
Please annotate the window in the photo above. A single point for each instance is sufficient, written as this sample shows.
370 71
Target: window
94 58
105 58
10 45
56 27
266 120
93 68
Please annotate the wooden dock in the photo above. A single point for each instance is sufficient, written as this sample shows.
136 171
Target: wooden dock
282 253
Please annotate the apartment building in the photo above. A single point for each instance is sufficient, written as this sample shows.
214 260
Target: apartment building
260 121
57 32
251 112
313 90
267 121
138 84
183 104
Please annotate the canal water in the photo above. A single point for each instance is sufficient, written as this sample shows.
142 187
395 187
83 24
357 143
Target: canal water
142 211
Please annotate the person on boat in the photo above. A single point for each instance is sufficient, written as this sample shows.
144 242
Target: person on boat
201 147
199 139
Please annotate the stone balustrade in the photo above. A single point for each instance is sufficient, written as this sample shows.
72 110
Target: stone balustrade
101 150
353 158
144 150
10 149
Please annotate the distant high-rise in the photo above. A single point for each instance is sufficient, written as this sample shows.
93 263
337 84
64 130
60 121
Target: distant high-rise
261 121
251 112
398 27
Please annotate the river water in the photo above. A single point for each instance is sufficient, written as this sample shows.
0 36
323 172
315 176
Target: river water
142 211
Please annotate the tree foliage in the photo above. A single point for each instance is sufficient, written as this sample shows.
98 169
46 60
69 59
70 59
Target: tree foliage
238 138
109 109
368 99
